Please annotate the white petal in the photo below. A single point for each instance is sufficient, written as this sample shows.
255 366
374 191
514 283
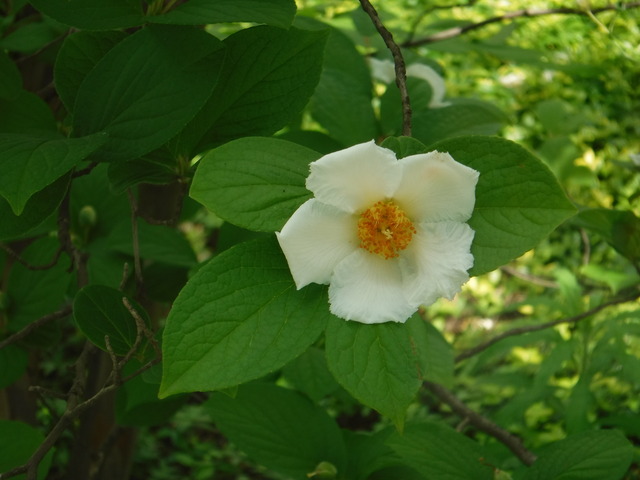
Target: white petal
436 262
435 187
368 289
315 239
355 178
434 79
383 70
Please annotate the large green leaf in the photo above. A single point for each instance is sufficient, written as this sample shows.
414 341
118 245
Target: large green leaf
35 293
26 113
279 428
310 375
38 208
435 354
99 312
238 318
278 13
437 451
78 55
374 363
255 183
342 100
619 228
30 163
93 14
266 81
13 364
518 200
10 79
592 455
147 87
18 441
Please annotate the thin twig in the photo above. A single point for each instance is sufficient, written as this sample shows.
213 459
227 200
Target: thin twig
534 328
424 13
63 312
22 261
142 326
512 442
85 171
528 12
398 60
543 282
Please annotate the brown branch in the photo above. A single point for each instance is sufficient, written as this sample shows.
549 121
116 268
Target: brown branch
528 12
63 312
22 261
137 267
398 60
534 328
543 282
512 442
85 171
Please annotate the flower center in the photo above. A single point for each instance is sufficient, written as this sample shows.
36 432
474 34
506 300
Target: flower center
384 229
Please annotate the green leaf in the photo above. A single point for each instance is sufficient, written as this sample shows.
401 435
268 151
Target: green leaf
35 293
37 209
368 453
157 168
279 428
137 403
464 118
278 13
404 146
435 354
342 100
26 113
98 311
18 441
10 78
31 37
309 374
30 163
147 87
255 183
157 242
619 228
93 14
374 363
266 81
420 92
238 318
13 364
591 455
79 53
518 200
437 451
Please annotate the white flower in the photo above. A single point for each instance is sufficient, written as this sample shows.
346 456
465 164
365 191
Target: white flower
387 235
384 71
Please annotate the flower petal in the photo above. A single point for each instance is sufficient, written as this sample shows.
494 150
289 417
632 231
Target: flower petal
315 239
355 178
369 289
434 79
435 264
435 187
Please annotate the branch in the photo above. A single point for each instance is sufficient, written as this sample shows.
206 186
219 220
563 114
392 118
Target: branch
137 267
63 312
528 12
398 60
22 261
534 328
543 282
512 442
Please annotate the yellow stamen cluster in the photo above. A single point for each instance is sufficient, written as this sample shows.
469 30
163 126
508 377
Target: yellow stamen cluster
384 229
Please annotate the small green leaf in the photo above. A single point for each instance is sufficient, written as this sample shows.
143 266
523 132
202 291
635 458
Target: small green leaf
147 87
93 14
38 208
518 200
35 293
99 311
279 428
79 53
591 455
309 374
619 228
13 364
342 100
18 441
404 146
437 451
266 81
255 183
278 13
463 118
374 363
157 168
238 318
30 163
